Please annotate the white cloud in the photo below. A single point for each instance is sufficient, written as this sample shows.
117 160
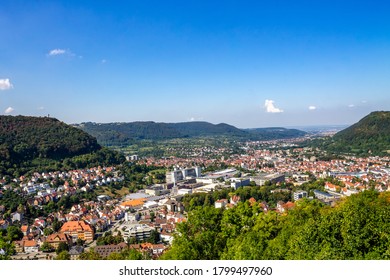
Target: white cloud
57 52
270 107
312 108
41 108
5 84
351 105
9 110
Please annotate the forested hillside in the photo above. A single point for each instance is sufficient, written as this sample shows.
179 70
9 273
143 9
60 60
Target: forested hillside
41 141
122 134
269 133
357 228
369 136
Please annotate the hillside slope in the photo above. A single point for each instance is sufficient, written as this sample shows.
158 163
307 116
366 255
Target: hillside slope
370 135
41 141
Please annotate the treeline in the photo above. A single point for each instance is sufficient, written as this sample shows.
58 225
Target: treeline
357 228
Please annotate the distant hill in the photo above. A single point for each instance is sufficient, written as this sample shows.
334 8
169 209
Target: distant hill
117 134
268 133
371 135
28 141
195 129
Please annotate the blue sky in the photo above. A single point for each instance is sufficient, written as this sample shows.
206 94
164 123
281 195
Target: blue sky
246 63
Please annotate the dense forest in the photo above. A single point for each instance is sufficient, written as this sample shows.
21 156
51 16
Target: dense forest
357 228
46 143
123 134
369 136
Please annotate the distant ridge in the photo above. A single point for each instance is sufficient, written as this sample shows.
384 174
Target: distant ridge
276 133
117 134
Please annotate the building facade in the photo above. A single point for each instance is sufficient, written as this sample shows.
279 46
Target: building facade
78 230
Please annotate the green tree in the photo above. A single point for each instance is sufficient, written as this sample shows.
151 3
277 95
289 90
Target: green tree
47 231
14 233
132 254
63 255
115 256
80 242
152 216
46 247
251 245
154 237
57 224
199 238
90 255
62 246
7 248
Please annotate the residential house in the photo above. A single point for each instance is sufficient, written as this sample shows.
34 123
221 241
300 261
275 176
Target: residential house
17 217
221 203
25 229
283 207
158 249
40 223
173 206
252 201
78 230
75 252
264 205
234 199
56 238
31 246
19 246
331 187
4 224
299 194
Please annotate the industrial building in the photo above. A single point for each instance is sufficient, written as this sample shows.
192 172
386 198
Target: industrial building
182 174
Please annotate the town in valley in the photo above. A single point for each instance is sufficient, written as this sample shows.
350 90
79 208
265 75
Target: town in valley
91 213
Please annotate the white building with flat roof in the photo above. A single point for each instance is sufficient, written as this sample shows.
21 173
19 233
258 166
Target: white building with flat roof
140 232
299 194
182 174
